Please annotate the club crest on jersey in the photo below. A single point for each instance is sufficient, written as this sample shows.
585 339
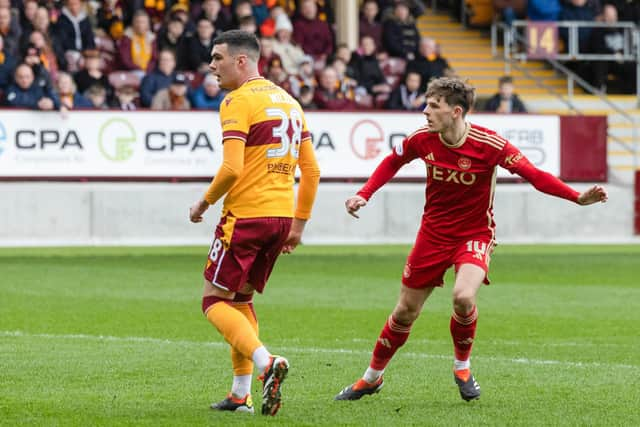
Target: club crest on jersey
464 163
227 101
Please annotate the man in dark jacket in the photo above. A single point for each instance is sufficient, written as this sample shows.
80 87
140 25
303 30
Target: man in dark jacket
159 79
199 46
73 30
428 63
505 101
25 93
400 34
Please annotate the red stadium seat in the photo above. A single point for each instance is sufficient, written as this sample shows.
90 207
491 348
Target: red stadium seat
381 100
125 78
195 79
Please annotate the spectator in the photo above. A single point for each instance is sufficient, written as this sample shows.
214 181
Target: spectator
111 18
289 53
400 34
48 57
172 37
138 45
25 93
199 47
505 101
305 98
74 32
10 31
578 10
209 95
126 98
349 86
156 10
266 55
91 74
248 24
241 9
304 77
369 23
97 96
429 64
325 11
173 97
68 94
628 10
32 58
543 10
159 78
344 53
407 96
611 41
368 69
27 15
313 35
212 10
278 75
7 66
328 96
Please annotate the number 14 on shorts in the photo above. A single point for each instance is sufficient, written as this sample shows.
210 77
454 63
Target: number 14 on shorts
478 248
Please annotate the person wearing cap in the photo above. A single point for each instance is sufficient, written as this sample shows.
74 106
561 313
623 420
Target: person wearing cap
285 47
174 97
209 95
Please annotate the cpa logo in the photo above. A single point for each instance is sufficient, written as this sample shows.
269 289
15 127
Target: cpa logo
3 137
116 139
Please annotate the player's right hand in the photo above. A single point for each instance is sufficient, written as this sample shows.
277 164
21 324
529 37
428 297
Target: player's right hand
354 203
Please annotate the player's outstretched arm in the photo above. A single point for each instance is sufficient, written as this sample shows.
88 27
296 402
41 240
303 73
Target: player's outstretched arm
353 204
593 195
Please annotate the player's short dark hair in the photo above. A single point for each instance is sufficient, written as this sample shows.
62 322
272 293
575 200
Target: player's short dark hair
239 41
454 90
505 79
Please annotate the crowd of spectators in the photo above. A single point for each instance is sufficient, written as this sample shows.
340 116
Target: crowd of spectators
133 54
69 54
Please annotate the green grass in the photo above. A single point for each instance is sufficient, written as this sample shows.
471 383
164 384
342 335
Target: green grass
115 336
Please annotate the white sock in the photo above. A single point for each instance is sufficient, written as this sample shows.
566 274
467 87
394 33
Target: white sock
461 364
241 385
261 358
372 375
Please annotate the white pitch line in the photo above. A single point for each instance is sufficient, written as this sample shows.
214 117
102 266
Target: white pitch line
183 343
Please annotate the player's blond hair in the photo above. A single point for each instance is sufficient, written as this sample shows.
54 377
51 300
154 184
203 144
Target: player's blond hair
454 90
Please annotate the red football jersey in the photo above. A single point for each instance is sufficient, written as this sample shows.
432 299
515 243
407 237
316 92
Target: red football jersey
461 179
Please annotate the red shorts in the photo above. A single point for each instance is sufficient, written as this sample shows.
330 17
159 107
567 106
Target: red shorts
429 260
245 250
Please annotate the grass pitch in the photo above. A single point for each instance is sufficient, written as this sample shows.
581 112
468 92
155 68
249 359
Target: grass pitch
115 336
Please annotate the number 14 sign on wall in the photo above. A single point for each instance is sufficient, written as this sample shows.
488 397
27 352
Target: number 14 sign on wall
542 40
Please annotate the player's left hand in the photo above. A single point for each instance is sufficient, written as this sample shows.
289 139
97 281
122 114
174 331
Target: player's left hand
295 235
197 210
593 195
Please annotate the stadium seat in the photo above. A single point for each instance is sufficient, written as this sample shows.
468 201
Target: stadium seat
108 52
393 66
125 78
195 79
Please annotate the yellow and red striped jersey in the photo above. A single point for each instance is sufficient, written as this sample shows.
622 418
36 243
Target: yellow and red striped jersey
272 125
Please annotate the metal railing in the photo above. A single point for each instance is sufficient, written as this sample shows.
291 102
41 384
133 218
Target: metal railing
513 40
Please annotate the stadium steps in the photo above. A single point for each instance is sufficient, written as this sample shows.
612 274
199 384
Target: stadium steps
469 54
620 143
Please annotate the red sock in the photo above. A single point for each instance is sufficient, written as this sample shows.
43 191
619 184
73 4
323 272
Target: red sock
463 330
392 337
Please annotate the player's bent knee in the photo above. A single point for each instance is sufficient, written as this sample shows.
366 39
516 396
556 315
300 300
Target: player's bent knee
405 315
